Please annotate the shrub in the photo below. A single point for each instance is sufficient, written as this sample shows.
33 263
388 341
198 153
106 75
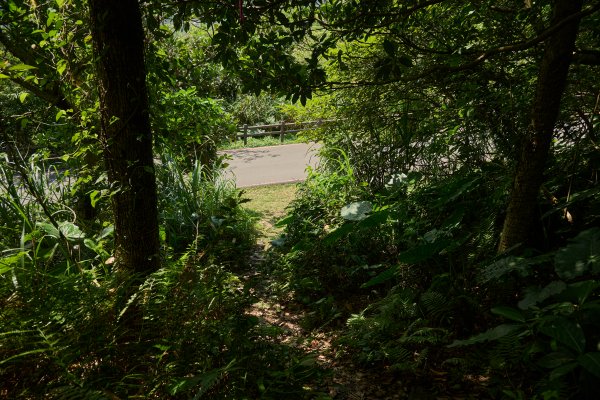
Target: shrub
191 123
552 333
252 109
202 208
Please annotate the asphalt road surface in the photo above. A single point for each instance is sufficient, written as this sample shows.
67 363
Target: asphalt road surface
272 164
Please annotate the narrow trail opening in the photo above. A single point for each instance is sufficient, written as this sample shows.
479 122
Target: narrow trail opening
343 379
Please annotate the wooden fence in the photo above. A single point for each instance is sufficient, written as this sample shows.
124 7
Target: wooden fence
280 129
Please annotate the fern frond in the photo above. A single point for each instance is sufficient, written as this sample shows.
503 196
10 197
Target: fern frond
203 383
457 363
501 267
425 335
422 357
506 350
398 354
436 305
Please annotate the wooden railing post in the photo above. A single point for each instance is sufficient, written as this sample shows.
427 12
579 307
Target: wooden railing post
270 129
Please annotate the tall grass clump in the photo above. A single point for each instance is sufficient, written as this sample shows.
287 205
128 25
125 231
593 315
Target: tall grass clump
201 208
50 274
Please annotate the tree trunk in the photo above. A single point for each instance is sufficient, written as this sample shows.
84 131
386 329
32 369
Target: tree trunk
125 131
521 216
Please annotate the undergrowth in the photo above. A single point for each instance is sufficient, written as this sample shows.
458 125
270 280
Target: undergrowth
409 276
201 208
72 327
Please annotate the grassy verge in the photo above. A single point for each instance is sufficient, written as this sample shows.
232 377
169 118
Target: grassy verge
269 203
261 142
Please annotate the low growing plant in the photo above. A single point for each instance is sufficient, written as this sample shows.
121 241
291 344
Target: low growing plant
202 208
553 330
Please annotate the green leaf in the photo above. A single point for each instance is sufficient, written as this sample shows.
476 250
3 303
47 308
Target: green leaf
23 97
21 67
455 189
48 229
25 353
46 254
4 268
90 244
203 382
372 220
581 255
61 67
71 231
509 313
591 362
537 295
106 232
580 291
68 229
60 114
24 122
51 17
565 332
502 267
563 370
356 211
424 251
376 218
592 308
7 263
489 335
95 195
2 76
382 277
555 359
284 221
338 233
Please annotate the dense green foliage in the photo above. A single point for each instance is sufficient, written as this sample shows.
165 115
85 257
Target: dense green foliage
202 207
400 243
74 327
413 267
437 110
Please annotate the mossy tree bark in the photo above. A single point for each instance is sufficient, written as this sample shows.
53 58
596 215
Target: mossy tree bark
522 216
126 135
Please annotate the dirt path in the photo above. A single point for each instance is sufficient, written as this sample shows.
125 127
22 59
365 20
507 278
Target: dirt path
346 381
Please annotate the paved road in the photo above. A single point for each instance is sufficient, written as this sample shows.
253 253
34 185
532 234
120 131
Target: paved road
272 164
